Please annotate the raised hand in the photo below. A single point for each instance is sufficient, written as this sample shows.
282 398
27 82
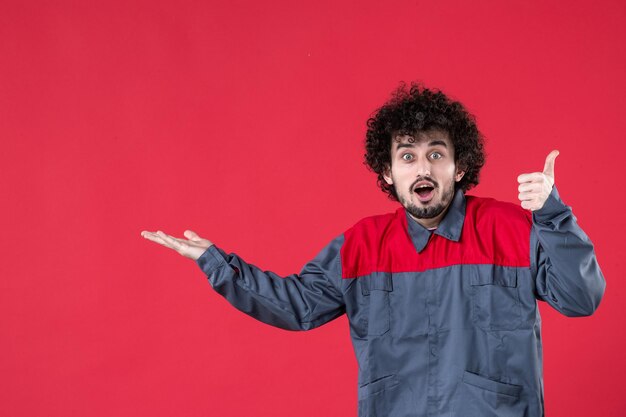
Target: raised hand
534 188
192 247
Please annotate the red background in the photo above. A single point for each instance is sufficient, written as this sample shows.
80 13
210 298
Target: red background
244 121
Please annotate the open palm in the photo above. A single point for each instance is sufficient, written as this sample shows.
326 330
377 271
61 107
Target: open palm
191 247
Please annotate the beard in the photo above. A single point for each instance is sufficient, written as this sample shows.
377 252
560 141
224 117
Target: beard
429 211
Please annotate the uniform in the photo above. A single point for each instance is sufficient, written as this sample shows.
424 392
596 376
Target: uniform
443 322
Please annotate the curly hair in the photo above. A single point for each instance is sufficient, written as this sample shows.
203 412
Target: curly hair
410 111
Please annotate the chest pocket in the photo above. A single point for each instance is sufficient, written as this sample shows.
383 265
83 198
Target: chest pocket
495 298
376 289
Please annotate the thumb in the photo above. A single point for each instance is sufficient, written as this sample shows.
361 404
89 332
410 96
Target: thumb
191 235
548 168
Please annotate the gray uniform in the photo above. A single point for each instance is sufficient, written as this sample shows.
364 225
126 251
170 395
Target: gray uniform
444 322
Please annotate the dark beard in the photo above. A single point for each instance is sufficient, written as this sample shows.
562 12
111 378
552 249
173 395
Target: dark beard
430 211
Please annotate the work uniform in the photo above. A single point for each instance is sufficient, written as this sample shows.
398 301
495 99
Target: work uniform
443 322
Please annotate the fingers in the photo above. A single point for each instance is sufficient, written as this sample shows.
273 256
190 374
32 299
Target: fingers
528 191
548 168
171 241
530 205
529 187
192 248
153 237
527 196
191 235
533 176
163 239
535 187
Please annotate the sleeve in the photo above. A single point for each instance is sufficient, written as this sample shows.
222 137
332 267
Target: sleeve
563 261
301 301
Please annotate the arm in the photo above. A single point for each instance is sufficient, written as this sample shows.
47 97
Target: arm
563 261
297 302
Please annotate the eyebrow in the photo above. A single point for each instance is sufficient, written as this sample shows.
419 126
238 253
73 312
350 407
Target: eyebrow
432 143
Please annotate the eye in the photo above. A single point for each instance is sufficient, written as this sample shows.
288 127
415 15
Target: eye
436 155
407 157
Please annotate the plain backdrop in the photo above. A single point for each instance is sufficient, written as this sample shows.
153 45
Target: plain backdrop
244 121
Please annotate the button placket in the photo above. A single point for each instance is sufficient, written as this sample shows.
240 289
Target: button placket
433 359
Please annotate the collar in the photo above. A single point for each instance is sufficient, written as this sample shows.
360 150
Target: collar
450 226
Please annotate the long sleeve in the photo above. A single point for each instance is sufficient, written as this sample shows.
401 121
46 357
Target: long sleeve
563 261
297 302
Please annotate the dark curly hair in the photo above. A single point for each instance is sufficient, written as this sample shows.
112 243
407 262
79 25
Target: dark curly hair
419 109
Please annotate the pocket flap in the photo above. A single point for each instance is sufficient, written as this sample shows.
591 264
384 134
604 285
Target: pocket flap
378 385
491 385
503 276
376 281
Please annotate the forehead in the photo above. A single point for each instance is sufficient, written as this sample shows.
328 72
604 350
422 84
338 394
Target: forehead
436 136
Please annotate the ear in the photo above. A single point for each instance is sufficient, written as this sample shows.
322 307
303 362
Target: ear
459 174
387 175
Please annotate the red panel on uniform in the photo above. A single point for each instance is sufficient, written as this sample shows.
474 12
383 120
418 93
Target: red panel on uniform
494 232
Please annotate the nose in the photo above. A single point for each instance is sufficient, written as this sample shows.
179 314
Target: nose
423 167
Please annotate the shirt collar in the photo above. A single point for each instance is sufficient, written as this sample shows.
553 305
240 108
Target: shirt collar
450 226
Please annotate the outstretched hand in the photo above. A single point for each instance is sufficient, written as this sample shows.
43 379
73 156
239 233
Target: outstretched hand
192 247
535 187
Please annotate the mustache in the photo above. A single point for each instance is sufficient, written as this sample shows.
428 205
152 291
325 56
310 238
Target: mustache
429 179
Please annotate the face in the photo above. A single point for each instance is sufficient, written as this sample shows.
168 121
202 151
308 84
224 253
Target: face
423 173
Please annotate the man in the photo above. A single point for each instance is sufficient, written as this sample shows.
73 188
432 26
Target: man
441 295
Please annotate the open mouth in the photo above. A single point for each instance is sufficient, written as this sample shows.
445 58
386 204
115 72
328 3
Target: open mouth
425 192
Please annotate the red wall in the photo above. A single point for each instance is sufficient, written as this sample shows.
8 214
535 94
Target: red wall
244 121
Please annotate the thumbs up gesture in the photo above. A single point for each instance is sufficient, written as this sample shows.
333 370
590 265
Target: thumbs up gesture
534 188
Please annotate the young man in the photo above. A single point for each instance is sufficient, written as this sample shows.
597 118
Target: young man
441 295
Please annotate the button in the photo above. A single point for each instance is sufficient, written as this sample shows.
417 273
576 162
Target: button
433 351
